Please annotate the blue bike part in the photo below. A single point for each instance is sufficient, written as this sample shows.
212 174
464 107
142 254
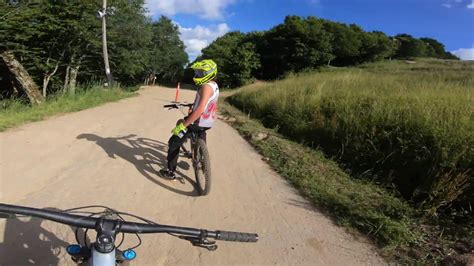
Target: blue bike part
129 254
73 249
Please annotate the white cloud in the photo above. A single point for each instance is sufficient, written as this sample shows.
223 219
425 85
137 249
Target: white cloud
197 38
471 5
207 9
465 53
454 3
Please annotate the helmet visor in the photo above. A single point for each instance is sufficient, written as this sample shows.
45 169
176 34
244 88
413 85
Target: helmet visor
198 73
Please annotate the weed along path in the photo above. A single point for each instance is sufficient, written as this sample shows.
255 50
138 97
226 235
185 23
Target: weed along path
109 155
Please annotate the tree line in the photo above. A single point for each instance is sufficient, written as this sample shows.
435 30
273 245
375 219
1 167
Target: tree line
301 43
59 44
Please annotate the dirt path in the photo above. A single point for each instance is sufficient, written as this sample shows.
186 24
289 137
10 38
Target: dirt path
109 156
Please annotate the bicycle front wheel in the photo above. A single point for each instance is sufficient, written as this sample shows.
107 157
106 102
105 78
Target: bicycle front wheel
202 167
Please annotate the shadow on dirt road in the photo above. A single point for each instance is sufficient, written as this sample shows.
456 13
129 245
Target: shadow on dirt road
143 153
26 242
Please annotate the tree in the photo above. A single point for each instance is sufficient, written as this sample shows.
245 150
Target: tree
410 46
49 35
22 77
58 42
14 33
235 56
375 46
80 40
436 49
295 45
220 50
129 40
168 56
346 42
243 62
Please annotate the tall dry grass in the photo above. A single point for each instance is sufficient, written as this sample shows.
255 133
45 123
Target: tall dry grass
407 126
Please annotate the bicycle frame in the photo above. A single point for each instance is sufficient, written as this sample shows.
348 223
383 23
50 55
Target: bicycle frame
103 251
193 138
102 258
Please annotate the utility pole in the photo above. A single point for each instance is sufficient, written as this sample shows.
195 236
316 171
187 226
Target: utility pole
103 14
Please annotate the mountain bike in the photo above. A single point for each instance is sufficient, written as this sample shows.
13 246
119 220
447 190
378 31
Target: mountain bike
108 224
195 149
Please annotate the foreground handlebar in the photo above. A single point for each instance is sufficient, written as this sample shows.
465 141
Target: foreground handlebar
125 227
64 218
236 236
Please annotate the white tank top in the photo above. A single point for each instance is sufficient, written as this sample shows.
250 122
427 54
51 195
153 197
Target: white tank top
209 115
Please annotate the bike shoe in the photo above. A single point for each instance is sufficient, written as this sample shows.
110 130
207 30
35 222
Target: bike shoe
165 173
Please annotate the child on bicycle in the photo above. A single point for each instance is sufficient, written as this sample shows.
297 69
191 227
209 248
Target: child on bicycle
202 116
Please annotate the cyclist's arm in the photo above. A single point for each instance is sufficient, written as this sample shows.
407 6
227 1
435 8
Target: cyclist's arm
206 94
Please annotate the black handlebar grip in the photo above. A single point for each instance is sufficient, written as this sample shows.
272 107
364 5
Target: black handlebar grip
236 236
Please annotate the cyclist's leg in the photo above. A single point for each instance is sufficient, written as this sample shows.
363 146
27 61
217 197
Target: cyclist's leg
174 144
202 133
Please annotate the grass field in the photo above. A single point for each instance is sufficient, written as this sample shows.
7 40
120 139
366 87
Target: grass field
14 112
403 135
409 126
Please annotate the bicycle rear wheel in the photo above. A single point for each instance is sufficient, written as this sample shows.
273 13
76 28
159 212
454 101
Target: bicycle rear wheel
202 167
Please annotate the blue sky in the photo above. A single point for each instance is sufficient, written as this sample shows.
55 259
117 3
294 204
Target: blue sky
201 21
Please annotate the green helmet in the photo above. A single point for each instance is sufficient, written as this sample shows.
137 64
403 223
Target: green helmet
204 71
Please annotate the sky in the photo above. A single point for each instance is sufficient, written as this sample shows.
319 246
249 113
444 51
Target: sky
201 21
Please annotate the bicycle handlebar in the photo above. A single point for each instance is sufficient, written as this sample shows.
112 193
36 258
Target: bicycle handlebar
126 227
177 105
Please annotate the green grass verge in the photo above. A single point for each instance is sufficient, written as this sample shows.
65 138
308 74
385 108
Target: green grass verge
398 228
14 113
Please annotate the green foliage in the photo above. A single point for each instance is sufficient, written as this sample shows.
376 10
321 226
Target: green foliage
295 45
168 55
375 46
436 49
410 47
66 36
301 43
47 33
245 61
406 126
235 56
129 39
346 42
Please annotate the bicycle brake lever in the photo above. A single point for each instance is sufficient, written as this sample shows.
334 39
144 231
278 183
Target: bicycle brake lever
202 243
7 215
